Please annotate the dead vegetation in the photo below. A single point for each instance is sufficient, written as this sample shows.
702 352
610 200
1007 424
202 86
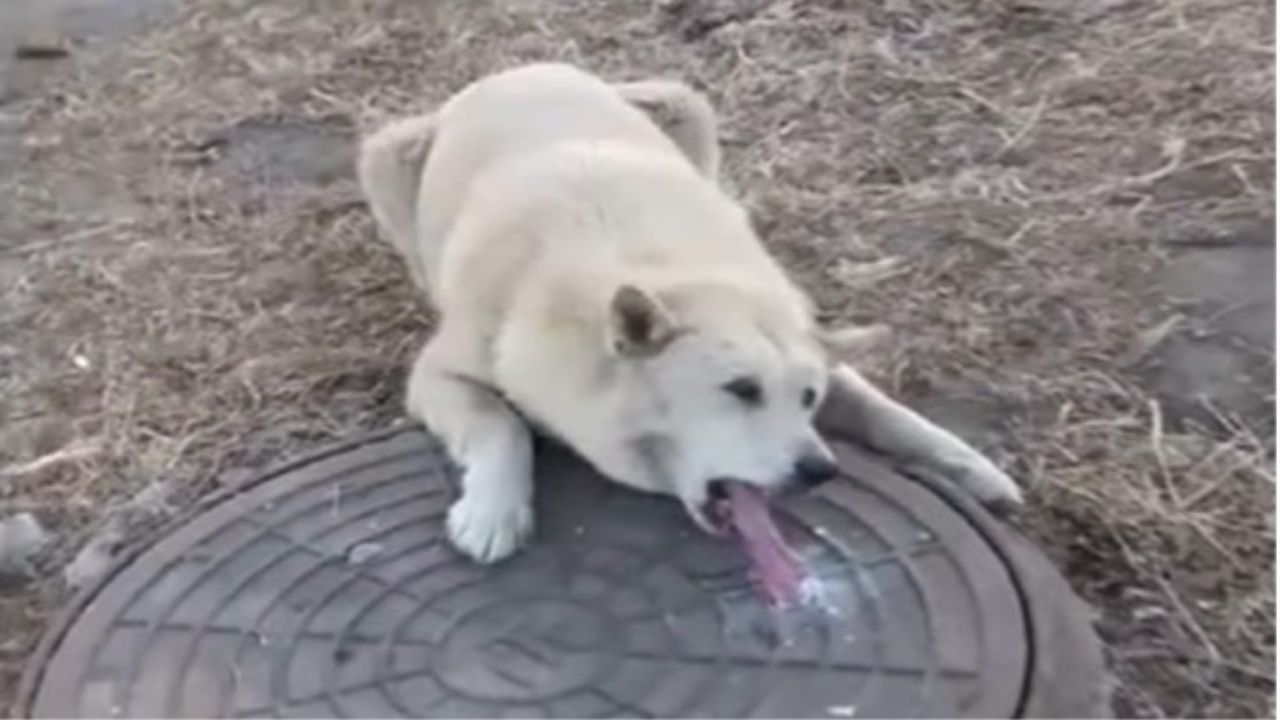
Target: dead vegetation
999 181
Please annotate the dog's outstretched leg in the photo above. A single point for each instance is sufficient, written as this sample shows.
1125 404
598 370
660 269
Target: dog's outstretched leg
494 515
684 114
896 430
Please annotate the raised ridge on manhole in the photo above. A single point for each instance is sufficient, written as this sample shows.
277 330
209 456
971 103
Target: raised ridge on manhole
328 590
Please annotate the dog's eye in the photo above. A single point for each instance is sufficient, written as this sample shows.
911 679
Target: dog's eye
808 397
746 389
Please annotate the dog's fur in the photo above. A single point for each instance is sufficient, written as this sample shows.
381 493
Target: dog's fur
593 279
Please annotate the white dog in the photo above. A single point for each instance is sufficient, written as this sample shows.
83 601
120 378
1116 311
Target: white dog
593 279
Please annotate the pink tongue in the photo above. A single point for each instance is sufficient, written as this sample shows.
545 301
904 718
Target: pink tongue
779 571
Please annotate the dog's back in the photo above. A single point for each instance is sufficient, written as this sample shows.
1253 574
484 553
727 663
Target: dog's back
503 119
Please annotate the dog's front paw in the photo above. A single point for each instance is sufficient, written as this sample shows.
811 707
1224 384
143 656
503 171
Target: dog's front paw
488 527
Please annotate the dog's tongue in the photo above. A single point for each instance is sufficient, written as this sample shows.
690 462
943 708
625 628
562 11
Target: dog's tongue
779 571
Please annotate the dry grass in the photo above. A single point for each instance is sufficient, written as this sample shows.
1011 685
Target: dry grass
187 313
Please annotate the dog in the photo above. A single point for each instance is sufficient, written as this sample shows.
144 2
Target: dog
594 280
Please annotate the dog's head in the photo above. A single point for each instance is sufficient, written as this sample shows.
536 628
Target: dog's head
720 385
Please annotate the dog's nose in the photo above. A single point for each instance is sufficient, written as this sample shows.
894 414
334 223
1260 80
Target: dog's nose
815 469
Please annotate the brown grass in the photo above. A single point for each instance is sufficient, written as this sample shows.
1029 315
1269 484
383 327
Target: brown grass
189 311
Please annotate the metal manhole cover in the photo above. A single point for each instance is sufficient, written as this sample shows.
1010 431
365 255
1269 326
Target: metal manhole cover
328 590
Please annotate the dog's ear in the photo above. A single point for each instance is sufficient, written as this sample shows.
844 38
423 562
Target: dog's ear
854 339
638 324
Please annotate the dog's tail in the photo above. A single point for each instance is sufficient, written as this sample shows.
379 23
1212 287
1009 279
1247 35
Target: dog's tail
390 172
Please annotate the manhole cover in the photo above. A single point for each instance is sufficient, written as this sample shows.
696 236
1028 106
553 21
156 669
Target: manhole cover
327 590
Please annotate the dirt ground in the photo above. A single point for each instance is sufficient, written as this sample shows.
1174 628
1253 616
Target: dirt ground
1065 209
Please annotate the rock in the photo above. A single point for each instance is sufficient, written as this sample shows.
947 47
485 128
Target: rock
21 540
96 557
41 39
362 553
121 525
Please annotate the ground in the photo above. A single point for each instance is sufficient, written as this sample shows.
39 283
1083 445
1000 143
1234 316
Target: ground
1065 210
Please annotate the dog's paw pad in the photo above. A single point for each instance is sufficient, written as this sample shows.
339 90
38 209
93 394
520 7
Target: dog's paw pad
488 531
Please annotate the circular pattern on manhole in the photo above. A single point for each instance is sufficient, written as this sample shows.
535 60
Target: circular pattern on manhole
328 590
